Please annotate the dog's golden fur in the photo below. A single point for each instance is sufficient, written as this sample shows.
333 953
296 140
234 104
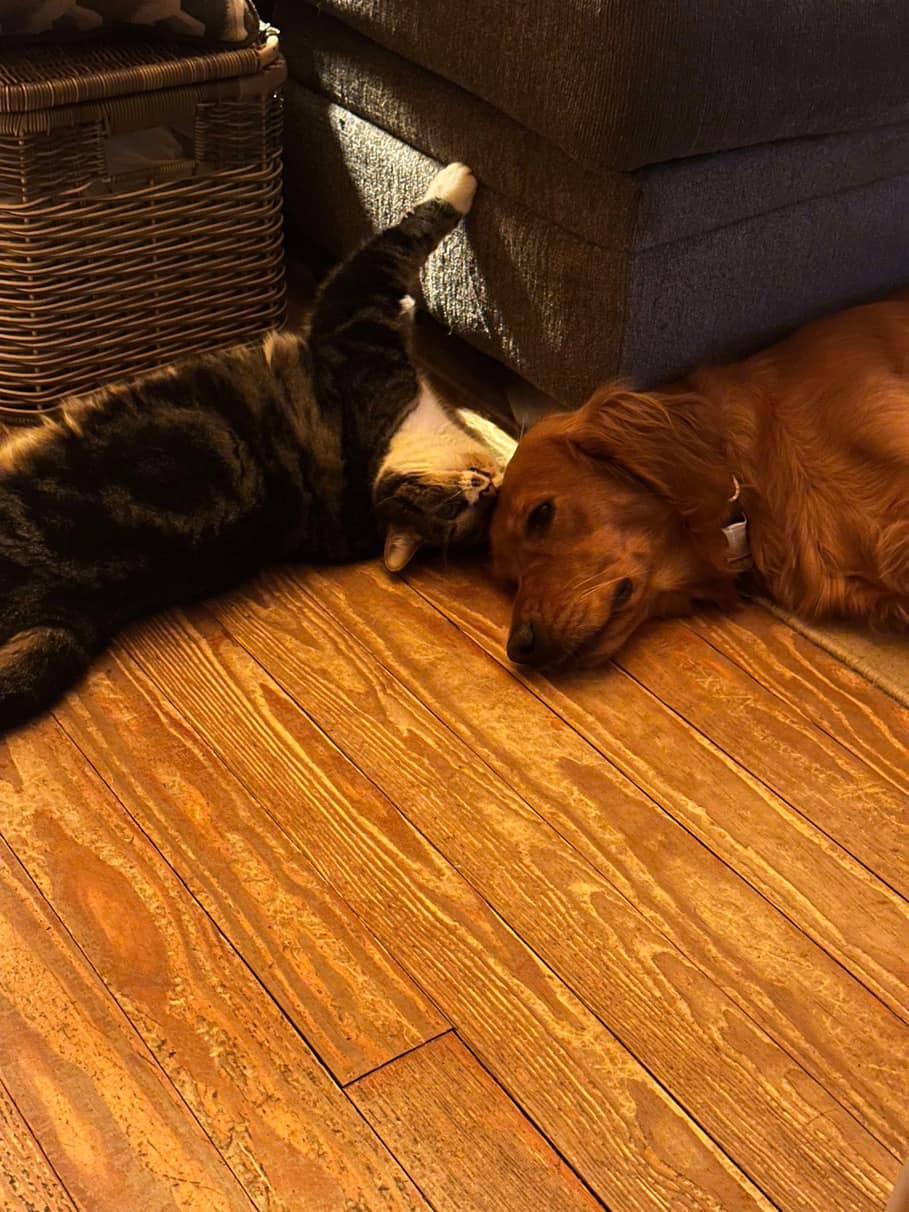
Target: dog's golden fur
814 429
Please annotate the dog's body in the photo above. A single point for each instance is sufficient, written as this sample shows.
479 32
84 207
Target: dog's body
632 493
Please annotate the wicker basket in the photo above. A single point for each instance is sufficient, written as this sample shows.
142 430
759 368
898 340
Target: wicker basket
113 264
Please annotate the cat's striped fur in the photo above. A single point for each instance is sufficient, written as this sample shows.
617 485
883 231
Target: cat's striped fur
178 485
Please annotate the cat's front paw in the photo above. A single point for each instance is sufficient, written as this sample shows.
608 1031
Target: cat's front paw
456 185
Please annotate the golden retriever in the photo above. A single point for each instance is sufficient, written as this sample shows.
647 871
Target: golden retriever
637 504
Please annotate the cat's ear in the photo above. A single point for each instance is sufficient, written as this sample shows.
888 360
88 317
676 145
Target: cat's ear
400 548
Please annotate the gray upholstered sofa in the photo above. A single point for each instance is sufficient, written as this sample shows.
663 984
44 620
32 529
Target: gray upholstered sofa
664 181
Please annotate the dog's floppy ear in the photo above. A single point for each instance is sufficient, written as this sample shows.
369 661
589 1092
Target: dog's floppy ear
665 441
626 429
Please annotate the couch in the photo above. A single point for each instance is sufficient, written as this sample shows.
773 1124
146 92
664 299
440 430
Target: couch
662 183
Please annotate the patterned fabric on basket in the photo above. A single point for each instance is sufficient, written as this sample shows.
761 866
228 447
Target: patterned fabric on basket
225 21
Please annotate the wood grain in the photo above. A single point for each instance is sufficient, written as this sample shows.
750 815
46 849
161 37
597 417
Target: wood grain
285 1129
813 682
108 1122
350 1001
598 1106
853 915
464 1142
804 1000
740 1087
824 781
27 1180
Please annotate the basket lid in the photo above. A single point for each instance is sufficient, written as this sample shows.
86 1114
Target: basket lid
48 75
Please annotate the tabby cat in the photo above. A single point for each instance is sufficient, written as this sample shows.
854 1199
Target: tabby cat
304 446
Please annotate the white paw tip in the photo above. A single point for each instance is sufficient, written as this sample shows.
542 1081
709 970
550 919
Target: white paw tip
456 185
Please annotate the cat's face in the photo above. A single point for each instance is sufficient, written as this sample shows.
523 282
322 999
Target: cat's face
436 507
438 482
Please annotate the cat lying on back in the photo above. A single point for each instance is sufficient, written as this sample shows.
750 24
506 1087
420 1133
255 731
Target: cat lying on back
305 446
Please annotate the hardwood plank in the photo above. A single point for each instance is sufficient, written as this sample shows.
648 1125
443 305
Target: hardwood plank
804 1000
285 1129
899 1197
349 1000
738 1085
462 1139
107 1120
27 1180
822 780
601 1109
858 919
840 700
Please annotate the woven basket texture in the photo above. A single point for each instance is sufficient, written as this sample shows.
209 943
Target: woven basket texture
111 268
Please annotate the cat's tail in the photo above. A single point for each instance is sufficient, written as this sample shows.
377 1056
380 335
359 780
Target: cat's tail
370 285
36 666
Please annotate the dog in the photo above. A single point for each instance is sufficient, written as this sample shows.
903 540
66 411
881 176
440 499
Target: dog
642 505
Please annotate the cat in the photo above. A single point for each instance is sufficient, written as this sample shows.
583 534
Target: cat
310 445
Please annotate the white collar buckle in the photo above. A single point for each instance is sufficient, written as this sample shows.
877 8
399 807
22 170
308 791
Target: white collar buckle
738 548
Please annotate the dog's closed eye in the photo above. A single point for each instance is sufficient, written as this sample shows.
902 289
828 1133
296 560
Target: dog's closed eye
622 593
540 517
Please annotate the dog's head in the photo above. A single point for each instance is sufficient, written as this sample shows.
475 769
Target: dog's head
598 527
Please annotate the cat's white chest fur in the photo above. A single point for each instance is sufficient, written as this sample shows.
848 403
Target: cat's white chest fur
457 458
431 443
428 417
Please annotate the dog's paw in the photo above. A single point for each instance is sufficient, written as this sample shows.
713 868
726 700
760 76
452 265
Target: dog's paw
456 185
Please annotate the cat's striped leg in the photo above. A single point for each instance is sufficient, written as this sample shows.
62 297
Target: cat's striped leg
37 665
370 285
362 369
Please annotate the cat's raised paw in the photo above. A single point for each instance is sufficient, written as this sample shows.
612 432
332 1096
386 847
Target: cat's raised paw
456 185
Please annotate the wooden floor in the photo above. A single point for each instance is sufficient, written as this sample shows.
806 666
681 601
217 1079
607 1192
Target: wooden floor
308 902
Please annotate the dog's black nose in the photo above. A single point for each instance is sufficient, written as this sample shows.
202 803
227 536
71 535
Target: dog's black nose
521 643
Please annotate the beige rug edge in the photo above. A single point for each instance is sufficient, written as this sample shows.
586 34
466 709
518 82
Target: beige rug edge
881 657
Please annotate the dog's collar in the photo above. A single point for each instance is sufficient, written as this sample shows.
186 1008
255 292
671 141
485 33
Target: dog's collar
735 532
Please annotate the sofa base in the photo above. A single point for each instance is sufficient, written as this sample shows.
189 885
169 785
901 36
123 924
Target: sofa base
657 295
